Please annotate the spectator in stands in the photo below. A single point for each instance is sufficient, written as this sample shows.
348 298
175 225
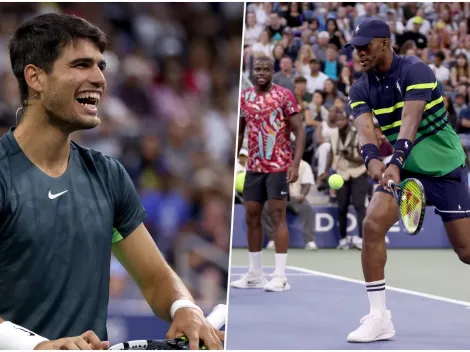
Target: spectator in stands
278 54
264 46
253 29
335 34
316 79
290 43
441 72
464 126
370 10
294 18
285 77
346 79
419 18
436 45
302 64
331 93
346 161
298 204
240 165
319 49
275 26
459 104
460 73
392 20
322 139
331 65
452 116
300 90
317 107
415 35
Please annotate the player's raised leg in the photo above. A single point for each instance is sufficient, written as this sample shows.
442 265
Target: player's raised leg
381 215
278 190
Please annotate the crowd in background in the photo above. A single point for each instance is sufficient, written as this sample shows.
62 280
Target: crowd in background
169 116
306 41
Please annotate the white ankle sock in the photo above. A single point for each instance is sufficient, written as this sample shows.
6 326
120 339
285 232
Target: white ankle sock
376 293
280 259
256 261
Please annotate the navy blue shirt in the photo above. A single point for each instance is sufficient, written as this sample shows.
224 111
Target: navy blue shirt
437 149
56 236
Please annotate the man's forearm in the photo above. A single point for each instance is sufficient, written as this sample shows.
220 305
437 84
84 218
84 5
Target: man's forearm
409 125
299 133
366 130
169 289
305 189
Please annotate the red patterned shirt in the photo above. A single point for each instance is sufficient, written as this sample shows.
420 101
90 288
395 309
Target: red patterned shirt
266 114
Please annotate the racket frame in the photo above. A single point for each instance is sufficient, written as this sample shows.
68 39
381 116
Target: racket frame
396 188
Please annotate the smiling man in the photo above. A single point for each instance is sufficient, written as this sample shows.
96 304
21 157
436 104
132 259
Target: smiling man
402 93
64 208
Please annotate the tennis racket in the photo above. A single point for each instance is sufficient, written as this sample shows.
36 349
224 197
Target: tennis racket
411 201
216 318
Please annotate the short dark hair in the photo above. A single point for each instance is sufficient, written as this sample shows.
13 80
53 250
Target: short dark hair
264 58
40 40
441 55
300 79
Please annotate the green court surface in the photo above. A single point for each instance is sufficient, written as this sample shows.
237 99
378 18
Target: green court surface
431 271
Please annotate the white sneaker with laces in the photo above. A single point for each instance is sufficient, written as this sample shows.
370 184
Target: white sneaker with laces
311 246
343 244
357 242
277 284
250 280
270 245
374 327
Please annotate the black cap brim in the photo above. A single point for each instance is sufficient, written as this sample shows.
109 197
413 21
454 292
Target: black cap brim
359 41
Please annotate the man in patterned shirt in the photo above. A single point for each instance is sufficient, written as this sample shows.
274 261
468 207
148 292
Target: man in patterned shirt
270 113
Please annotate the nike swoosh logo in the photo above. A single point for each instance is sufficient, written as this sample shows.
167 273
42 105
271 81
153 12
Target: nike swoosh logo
54 196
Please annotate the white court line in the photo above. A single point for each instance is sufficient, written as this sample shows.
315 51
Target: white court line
347 279
287 274
390 288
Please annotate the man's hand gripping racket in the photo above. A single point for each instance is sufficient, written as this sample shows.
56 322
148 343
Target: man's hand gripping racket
411 201
216 318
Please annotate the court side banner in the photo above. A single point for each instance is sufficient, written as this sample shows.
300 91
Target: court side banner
432 234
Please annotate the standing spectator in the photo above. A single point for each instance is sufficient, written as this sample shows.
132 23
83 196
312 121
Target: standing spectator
322 139
441 72
346 160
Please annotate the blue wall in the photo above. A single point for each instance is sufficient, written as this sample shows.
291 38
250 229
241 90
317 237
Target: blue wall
432 234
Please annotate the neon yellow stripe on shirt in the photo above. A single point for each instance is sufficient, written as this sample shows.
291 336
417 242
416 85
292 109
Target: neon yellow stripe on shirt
353 105
422 86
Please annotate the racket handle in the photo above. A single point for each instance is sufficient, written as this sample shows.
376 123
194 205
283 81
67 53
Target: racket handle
218 316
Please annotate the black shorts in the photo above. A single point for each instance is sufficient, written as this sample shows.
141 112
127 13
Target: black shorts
260 187
449 194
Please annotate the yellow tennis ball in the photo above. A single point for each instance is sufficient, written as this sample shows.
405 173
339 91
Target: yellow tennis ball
335 181
240 182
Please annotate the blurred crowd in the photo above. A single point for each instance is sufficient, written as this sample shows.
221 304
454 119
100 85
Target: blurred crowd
306 41
169 116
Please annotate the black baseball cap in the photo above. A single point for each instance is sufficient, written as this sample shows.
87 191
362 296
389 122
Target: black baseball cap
368 29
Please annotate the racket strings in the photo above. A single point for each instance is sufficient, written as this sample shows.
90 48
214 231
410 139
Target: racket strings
411 205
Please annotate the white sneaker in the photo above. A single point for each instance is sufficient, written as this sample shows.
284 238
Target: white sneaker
250 280
374 327
357 242
277 284
311 246
270 245
343 244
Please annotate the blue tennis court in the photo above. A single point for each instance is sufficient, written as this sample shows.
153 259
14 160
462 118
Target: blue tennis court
321 309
